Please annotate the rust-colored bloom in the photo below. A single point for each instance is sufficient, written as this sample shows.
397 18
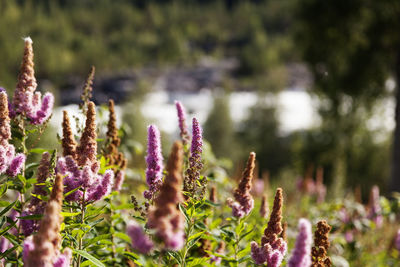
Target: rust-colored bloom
244 202
26 85
274 228
321 245
68 141
284 231
87 149
273 247
5 130
44 248
166 218
213 194
264 210
115 157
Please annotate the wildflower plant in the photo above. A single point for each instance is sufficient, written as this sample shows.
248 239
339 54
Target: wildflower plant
82 205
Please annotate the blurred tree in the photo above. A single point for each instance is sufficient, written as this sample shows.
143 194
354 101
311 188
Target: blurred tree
219 128
260 133
353 48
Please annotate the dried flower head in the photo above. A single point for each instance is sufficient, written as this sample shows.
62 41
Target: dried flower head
44 248
68 141
165 217
244 202
213 194
112 154
87 149
273 248
5 129
321 245
264 209
154 162
301 255
87 90
36 204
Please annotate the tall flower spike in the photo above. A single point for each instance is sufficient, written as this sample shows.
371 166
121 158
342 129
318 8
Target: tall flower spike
195 161
26 85
321 245
154 162
68 141
87 149
87 89
165 217
213 194
44 248
301 255
264 210
397 240
244 202
273 248
182 122
115 157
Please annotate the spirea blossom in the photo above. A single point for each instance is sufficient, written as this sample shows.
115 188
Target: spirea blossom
43 249
301 255
154 161
273 248
140 241
244 202
164 217
94 185
182 122
195 160
26 101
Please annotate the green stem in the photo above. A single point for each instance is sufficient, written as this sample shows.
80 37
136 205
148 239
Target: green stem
80 244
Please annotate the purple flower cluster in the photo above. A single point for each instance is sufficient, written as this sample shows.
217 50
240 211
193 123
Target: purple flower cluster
197 144
154 162
375 210
301 256
140 241
86 178
242 206
60 260
272 253
182 122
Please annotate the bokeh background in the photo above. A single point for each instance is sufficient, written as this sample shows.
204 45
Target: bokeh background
306 84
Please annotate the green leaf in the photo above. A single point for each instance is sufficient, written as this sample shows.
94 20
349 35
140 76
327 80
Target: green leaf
123 236
69 214
89 257
37 150
4 203
3 189
5 210
195 236
97 238
32 217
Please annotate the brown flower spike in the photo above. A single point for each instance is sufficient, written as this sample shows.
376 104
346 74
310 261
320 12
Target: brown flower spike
166 217
115 157
87 89
264 210
68 141
5 130
47 241
87 149
213 194
321 245
26 78
274 228
244 202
